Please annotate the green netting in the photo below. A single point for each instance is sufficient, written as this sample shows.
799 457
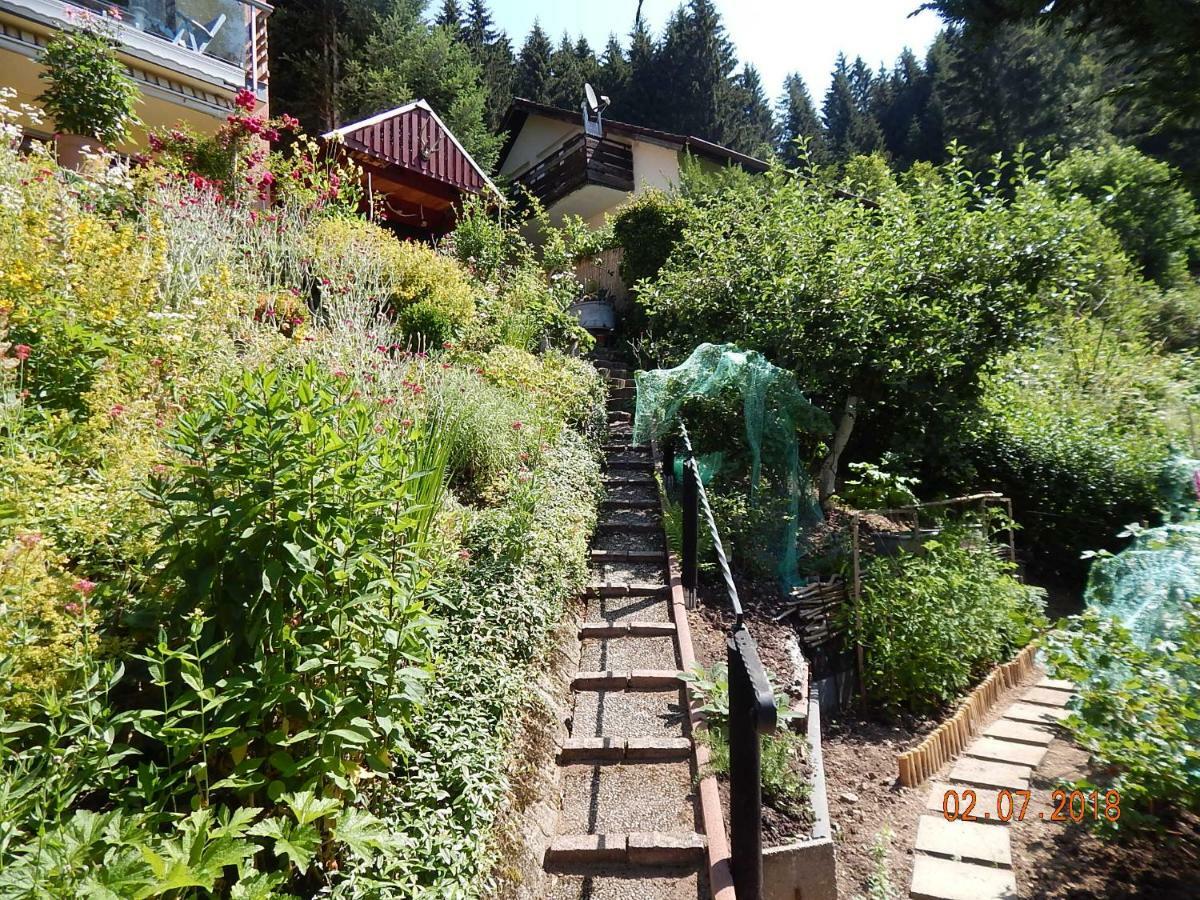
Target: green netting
714 387
1148 585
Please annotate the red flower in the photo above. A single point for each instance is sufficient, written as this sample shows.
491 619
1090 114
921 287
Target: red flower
84 586
517 426
446 345
116 410
22 351
245 100
291 123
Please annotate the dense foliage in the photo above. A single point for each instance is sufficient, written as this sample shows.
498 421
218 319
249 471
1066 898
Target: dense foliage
1137 714
932 623
273 575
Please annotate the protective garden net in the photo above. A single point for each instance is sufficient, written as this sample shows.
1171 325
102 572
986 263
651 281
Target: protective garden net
1148 586
753 472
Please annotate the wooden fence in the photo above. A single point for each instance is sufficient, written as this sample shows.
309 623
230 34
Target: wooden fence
952 736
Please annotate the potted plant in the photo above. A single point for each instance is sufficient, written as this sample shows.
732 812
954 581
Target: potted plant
90 95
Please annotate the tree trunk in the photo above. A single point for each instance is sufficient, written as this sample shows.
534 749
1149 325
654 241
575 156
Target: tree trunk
827 482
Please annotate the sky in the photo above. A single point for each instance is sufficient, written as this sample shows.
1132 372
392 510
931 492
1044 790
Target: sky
778 36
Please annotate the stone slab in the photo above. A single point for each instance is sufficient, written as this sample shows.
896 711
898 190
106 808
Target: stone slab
592 749
649 748
1021 732
576 849
659 848
1006 751
946 879
1037 715
968 841
985 773
1057 684
1046 697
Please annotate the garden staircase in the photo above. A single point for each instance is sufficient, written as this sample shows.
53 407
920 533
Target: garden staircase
629 826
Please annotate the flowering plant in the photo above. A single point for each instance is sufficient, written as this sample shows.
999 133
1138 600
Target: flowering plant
90 91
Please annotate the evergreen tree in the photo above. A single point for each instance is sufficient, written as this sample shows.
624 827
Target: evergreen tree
480 33
902 112
614 72
798 119
640 104
839 109
697 60
450 16
565 88
753 131
533 76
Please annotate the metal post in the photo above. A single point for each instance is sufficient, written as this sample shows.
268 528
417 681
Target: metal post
690 510
751 713
668 460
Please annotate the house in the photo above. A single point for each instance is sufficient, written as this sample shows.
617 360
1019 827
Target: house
188 57
578 163
415 172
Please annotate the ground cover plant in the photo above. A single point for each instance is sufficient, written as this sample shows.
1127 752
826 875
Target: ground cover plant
276 559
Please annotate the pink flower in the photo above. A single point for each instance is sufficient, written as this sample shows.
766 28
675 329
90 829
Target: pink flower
446 345
83 586
388 401
73 608
22 351
464 554
289 122
268 179
407 423
339 373
517 426
116 411
29 539
270 134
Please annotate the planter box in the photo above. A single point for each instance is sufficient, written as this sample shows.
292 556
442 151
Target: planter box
805 870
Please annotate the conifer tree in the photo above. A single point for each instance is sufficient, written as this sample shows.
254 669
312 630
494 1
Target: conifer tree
450 16
753 129
798 119
614 72
534 70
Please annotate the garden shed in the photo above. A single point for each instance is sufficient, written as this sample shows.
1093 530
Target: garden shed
415 171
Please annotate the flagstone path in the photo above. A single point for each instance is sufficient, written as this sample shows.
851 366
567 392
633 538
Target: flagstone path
972 859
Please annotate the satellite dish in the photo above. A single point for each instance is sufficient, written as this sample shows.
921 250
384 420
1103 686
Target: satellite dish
593 103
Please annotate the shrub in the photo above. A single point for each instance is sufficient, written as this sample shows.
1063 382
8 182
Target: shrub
1142 200
647 228
1137 713
1076 432
90 91
933 624
565 388
351 255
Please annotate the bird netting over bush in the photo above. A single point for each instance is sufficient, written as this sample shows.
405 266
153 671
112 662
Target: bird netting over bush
1148 585
760 460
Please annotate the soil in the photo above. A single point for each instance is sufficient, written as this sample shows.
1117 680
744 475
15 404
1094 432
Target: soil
1069 861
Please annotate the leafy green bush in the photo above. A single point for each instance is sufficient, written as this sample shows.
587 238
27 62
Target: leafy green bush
1076 432
874 487
1142 200
934 623
647 228
1137 714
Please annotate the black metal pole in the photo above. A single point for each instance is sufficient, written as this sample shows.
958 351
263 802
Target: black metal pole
668 460
690 503
751 713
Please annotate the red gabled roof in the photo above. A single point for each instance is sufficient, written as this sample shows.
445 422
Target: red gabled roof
415 138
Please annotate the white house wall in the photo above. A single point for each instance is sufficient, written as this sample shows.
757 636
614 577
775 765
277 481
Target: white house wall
654 167
539 138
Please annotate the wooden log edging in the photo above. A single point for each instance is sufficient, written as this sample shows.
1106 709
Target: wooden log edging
950 738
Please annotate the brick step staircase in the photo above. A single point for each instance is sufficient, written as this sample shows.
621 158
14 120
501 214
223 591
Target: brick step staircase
630 826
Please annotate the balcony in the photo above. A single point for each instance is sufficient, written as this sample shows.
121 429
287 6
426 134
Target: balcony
216 41
581 161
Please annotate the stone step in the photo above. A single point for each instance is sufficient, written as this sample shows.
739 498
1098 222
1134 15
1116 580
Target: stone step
622 446
629 714
945 879
608 882
622 393
1040 696
622 749
600 557
620 464
609 680
968 841
984 773
628 609
632 518
987 808
627 589
630 503
627 652
597 630
630 481
1036 715
635 848
1006 751
1057 684
1020 732
623 797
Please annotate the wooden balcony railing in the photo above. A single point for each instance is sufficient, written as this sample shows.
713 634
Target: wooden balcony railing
580 161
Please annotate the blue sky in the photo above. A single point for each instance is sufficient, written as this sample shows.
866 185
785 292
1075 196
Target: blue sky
778 36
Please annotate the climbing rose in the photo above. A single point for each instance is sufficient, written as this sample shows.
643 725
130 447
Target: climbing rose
245 100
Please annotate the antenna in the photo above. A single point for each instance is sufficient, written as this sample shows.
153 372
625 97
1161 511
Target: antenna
593 106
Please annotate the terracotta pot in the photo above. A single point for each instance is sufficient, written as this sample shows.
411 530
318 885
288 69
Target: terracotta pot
70 152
